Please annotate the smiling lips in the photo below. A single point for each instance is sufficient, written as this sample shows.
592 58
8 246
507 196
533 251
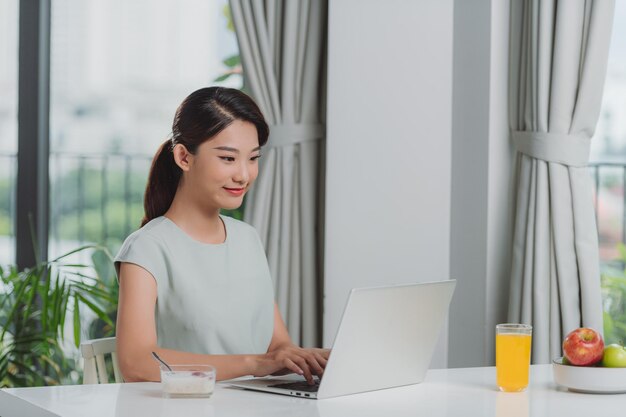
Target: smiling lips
235 191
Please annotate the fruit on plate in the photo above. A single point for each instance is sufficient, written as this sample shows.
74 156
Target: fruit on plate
614 356
583 347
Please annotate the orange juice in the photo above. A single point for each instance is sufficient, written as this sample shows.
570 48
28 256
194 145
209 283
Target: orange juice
512 361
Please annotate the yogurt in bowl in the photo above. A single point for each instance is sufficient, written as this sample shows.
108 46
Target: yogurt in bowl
188 381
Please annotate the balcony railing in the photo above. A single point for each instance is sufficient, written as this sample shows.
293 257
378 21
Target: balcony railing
93 197
96 198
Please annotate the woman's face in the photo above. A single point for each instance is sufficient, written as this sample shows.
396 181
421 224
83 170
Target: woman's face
224 167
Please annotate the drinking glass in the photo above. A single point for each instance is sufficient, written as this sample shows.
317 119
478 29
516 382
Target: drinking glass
513 343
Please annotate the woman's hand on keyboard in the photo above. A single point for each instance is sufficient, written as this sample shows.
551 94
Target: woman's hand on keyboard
290 358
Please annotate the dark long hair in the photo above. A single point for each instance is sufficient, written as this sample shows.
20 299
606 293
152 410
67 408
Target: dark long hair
201 116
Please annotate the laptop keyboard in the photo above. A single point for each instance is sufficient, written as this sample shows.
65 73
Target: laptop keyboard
298 386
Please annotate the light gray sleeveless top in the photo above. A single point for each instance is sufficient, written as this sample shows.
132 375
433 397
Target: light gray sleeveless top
212 298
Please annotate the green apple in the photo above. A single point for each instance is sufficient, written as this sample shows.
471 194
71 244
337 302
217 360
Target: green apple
614 356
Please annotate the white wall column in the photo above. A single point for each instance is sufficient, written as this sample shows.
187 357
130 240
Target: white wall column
388 148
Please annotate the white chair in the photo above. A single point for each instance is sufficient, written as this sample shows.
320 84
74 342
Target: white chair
93 352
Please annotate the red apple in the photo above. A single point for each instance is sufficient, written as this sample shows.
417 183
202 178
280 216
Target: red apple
583 347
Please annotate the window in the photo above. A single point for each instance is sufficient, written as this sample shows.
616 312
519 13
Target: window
608 169
119 69
8 126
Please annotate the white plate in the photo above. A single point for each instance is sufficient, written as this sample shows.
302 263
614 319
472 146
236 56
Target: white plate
589 379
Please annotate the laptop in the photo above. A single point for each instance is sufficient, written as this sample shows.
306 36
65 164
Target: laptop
386 339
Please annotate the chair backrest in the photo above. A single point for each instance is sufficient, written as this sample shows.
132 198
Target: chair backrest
93 352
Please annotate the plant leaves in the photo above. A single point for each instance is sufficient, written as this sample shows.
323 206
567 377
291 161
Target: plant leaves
80 249
33 290
33 307
76 321
44 299
103 265
20 291
95 292
64 306
57 301
229 17
232 61
223 77
101 314
73 266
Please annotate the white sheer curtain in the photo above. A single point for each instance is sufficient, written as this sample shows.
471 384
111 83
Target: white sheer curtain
282 45
556 89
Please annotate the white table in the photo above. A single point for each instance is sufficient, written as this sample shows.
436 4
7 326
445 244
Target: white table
446 392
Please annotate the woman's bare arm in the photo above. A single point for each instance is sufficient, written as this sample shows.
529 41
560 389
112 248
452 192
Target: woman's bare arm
136 339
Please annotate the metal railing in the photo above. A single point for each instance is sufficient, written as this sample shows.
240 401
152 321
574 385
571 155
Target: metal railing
107 186
100 184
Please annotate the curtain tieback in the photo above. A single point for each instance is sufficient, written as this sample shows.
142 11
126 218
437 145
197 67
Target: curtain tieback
284 135
570 150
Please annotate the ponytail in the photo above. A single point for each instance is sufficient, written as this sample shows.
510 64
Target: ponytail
162 183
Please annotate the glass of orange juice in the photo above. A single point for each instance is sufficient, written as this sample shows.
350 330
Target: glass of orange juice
513 356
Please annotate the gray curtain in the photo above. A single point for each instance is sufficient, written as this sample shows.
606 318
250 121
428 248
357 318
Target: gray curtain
558 65
283 48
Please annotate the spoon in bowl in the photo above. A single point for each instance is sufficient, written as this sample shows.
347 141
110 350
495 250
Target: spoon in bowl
161 361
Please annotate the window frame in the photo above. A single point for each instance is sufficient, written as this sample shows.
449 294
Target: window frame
31 231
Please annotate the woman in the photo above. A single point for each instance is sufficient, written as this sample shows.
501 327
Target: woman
195 286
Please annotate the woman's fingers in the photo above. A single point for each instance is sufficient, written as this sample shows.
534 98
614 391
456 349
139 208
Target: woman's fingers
311 361
302 363
293 367
325 353
317 355
305 362
315 364
321 360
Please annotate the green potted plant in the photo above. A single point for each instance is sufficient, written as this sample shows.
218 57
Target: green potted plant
36 303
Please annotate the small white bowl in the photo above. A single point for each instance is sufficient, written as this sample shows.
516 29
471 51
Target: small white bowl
188 381
589 379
